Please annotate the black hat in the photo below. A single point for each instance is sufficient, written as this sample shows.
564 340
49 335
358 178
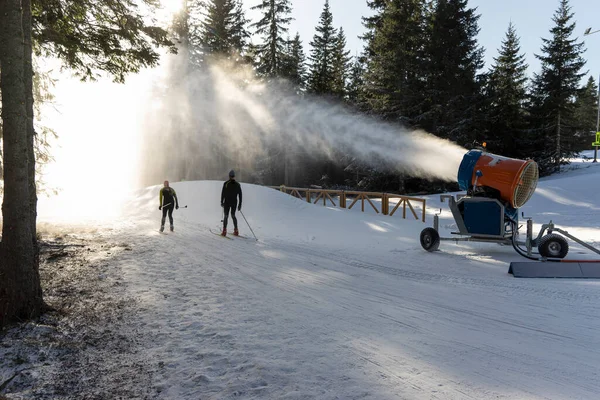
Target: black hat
232 174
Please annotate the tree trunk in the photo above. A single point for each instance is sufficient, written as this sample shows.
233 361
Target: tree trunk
274 67
558 143
28 62
20 293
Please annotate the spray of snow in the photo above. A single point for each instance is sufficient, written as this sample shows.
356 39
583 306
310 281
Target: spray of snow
230 112
113 137
177 124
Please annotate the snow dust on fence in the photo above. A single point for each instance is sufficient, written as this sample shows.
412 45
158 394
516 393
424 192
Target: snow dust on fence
379 202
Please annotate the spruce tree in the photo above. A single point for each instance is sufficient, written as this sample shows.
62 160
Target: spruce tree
294 63
340 66
554 91
452 61
320 80
180 26
586 114
356 82
223 32
273 25
373 22
394 69
507 96
186 39
98 35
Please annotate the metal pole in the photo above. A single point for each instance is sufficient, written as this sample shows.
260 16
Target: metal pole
248 225
597 123
586 33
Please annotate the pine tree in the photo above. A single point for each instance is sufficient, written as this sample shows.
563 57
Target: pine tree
193 31
98 35
327 76
251 56
554 90
394 69
373 22
180 26
356 82
294 63
272 27
187 33
184 37
453 59
237 22
320 80
586 114
223 32
340 65
507 94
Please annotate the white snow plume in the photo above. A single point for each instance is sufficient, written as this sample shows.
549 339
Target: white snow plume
223 117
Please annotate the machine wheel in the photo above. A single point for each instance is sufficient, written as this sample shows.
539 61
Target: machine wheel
430 239
553 246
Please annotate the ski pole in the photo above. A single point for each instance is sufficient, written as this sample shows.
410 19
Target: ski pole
167 205
248 225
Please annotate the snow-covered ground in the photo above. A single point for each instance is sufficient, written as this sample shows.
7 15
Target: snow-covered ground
337 304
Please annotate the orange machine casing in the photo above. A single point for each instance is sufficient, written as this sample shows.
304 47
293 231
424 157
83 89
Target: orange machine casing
515 179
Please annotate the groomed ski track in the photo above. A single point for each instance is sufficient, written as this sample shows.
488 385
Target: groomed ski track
302 319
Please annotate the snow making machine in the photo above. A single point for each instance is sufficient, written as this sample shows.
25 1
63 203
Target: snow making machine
496 187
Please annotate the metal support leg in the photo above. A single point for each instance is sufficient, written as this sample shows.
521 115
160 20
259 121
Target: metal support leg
529 240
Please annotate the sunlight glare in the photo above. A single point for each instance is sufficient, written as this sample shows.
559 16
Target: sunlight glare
97 150
168 8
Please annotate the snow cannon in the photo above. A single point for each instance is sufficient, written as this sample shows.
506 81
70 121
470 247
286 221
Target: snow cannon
507 179
496 187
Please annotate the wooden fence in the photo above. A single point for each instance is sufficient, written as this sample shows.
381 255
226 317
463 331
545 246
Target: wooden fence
341 198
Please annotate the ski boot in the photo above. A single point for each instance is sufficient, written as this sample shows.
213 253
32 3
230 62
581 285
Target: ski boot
162 228
172 228
236 232
224 233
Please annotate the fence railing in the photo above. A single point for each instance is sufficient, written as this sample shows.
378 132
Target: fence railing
341 198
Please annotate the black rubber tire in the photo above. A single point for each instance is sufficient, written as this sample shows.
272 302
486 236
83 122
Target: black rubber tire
553 246
430 239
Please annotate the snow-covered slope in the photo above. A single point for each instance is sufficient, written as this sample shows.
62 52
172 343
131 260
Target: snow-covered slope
337 304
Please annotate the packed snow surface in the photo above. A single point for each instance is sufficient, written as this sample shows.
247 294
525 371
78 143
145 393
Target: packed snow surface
339 304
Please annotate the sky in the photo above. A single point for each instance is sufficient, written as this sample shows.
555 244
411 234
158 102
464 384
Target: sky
532 18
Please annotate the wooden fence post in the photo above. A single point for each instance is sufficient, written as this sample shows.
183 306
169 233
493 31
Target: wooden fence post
385 204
